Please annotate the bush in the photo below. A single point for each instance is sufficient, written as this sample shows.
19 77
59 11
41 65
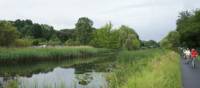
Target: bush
71 42
35 42
22 43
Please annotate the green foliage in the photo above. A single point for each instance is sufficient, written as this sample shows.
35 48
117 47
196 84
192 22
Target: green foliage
71 42
135 43
66 34
172 40
101 37
28 28
83 30
8 33
47 31
54 41
150 44
23 43
24 27
35 42
128 38
83 34
189 28
165 43
124 37
152 68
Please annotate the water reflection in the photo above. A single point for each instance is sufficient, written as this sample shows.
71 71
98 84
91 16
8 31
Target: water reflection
64 78
87 73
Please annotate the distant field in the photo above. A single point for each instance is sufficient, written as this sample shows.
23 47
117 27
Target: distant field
33 54
154 68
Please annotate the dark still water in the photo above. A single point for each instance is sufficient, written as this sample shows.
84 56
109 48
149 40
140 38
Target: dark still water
75 73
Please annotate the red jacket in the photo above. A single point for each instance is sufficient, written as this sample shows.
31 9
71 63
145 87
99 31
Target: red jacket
194 54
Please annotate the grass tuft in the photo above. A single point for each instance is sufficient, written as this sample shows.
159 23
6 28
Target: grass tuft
153 68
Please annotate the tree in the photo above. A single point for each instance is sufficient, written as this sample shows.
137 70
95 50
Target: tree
36 31
84 30
28 29
124 37
101 37
54 40
47 31
128 38
65 35
188 26
8 33
171 40
150 44
23 26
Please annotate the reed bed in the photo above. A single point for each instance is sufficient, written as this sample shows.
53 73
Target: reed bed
16 55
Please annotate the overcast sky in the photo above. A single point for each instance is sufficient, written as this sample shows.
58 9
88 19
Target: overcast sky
152 19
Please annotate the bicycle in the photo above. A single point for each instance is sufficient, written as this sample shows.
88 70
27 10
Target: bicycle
193 62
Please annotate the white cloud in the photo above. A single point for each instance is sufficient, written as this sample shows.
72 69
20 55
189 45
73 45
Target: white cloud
152 19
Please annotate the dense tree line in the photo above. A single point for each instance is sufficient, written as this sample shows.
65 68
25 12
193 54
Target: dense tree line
27 33
29 29
187 33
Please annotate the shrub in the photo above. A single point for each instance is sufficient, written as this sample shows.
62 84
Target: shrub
22 43
71 42
35 42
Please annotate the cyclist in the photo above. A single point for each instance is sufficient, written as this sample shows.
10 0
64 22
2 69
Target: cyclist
187 55
194 55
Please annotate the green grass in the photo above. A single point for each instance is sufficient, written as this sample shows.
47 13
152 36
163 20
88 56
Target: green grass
36 54
155 68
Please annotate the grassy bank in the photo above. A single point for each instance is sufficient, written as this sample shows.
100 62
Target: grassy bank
17 55
154 68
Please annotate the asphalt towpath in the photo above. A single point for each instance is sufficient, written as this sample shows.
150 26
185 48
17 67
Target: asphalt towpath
190 76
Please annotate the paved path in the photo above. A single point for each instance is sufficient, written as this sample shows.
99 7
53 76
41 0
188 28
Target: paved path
190 76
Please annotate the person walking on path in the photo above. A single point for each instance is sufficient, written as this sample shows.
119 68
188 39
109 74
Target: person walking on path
194 55
183 53
187 55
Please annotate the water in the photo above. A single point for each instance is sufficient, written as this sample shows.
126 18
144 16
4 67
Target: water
76 73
